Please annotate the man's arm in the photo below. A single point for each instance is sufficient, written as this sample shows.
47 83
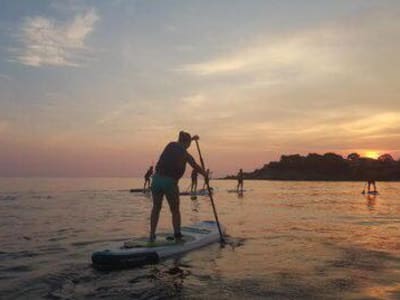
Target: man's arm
195 166
193 163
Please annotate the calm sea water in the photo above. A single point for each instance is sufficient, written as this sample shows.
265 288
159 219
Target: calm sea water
287 240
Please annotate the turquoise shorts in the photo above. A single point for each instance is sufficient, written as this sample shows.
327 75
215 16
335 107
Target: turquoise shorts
164 185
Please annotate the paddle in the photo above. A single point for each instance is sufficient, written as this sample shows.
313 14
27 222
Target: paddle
363 192
210 193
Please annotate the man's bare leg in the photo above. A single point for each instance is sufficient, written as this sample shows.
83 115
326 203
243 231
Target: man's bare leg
173 202
155 214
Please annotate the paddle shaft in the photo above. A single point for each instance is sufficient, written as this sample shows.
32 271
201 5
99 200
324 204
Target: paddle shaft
364 188
210 193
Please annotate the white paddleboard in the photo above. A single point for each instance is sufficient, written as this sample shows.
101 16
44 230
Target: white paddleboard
138 251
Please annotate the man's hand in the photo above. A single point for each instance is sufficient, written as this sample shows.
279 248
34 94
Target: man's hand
195 138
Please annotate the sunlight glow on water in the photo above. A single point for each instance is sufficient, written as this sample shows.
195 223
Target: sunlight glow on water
287 240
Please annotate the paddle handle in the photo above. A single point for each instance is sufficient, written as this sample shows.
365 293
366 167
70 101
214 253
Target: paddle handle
210 193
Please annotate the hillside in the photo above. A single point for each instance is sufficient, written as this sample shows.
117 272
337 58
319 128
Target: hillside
329 166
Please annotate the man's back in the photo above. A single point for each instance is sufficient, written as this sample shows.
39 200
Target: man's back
172 162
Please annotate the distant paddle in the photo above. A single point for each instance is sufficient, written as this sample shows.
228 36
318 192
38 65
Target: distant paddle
210 193
363 192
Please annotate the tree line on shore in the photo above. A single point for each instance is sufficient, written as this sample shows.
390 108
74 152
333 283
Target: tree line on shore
329 166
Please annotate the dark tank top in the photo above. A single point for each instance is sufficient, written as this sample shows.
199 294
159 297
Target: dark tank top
172 162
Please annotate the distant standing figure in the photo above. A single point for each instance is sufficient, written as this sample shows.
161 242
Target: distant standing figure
208 177
147 177
240 181
371 182
194 174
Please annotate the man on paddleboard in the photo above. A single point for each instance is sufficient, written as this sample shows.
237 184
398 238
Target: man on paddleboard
147 176
240 181
371 182
193 176
169 169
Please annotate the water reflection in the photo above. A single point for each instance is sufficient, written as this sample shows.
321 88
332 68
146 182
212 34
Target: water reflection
194 210
371 201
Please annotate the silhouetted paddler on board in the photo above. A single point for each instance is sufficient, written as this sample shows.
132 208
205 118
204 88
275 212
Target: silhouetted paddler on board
169 169
147 177
240 181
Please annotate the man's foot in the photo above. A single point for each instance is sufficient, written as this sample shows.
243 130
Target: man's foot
178 236
152 238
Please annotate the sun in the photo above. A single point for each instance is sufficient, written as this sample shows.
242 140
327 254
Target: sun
372 154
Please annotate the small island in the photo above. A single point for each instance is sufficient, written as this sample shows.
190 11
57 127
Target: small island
328 167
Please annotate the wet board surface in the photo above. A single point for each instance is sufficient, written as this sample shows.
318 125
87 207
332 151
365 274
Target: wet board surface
162 240
139 251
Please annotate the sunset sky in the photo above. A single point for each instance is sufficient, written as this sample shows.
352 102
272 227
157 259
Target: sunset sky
97 88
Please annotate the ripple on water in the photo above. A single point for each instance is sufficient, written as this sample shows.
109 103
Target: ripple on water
18 254
8 197
17 269
48 250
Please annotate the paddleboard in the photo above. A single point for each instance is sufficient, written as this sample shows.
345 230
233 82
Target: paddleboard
371 193
139 251
139 191
236 191
198 193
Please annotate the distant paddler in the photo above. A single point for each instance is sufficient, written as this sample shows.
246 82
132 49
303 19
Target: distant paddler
147 180
169 169
370 182
193 176
209 177
240 182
